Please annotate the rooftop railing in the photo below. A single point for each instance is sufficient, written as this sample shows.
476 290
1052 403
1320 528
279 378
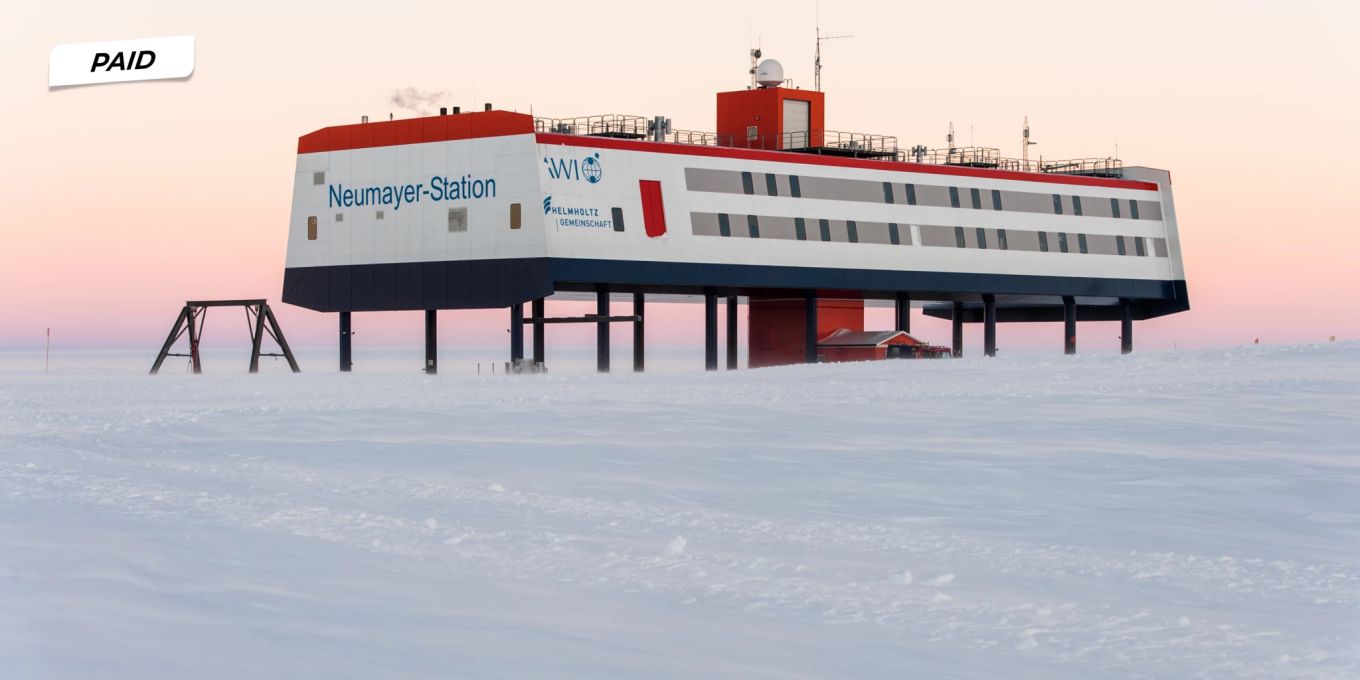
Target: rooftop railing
827 142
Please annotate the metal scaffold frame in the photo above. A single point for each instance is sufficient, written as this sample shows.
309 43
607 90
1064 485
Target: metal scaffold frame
259 320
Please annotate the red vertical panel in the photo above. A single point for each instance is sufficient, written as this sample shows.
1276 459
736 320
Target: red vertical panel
653 210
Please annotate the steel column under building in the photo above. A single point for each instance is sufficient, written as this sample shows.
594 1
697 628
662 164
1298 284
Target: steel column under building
639 334
810 327
1125 327
431 342
516 332
1069 325
346 356
602 328
989 325
537 310
903 309
731 332
956 320
710 329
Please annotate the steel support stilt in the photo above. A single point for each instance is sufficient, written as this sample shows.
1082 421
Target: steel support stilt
602 328
731 332
257 337
810 327
710 330
346 348
956 320
903 312
516 333
1069 325
277 332
989 325
537 310
639 333
431 342
1125 327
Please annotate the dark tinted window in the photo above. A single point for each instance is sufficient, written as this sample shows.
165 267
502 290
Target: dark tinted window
753 225
771 187
893 236
825 228
800 228
794 188
1119 244
1114 207
976 195
724 225
1062 241
996 199
1001 239
1076 205
982 238
617 214
852 230
1139 247
1133 209
1057 204
1043 241
911 194
1081 243
958 237
748 185
954 196
887 192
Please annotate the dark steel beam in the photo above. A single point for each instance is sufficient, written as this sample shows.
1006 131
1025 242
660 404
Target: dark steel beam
175 331
277 332
256 337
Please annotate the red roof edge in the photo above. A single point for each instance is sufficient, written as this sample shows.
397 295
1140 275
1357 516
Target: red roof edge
417 131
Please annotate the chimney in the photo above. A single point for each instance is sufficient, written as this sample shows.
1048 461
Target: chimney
365 119
443 111
457 110
488 106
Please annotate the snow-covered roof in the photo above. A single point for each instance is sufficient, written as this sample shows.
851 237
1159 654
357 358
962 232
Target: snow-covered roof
845 337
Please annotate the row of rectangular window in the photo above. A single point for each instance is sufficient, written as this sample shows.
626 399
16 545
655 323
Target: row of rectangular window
892 233
799 229
866 191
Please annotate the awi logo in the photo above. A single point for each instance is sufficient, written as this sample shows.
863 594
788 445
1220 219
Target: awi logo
586 169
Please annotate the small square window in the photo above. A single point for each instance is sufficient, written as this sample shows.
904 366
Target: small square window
458 220
339 217
378 215
515 215
318 178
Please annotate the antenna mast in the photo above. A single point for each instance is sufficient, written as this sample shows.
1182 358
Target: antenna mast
1025 144
817 60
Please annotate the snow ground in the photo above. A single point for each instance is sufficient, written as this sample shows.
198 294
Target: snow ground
1164 515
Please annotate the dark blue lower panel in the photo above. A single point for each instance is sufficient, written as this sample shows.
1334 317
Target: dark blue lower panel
502 283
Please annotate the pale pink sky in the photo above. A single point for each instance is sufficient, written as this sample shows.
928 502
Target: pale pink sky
121 201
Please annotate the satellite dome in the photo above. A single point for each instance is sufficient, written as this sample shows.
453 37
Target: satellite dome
770 73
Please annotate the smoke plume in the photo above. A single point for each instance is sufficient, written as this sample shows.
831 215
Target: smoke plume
415 100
